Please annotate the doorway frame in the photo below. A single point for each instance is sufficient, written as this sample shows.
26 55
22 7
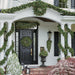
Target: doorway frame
36 33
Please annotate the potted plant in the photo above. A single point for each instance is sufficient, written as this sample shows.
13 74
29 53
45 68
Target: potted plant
58 59
43 54
67 57
1 71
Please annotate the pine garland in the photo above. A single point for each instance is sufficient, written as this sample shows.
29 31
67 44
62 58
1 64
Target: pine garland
39 8
7 53
3 30
65 34
5 44
49 44
26 24
6 39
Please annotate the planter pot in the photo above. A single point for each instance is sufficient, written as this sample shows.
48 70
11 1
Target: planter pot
43 60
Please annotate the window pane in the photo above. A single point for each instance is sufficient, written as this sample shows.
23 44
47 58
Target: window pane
56 41
60 3
72 3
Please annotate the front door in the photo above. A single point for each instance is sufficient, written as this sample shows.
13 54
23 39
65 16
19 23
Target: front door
25 46
28 52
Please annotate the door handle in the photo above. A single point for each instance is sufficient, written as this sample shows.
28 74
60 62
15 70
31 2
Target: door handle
31 52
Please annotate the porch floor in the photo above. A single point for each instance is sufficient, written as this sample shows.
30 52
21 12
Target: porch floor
39 71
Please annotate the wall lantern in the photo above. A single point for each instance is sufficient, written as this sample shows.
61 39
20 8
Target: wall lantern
27 70
49 34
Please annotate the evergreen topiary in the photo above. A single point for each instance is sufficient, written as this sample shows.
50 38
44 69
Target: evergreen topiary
43 53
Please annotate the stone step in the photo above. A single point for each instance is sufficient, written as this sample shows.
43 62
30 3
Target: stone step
39 71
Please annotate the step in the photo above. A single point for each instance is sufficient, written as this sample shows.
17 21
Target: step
40 71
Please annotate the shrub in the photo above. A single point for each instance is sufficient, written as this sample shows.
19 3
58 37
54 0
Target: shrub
1 71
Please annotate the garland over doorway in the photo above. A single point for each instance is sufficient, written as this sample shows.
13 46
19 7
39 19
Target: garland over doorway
25 24
39 8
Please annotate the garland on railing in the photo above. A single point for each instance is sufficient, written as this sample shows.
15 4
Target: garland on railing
39 8
5 44
65 34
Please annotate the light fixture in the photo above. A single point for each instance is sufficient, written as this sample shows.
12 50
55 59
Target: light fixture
27 70
49 34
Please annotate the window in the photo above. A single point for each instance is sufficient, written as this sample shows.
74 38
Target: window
60 3
73 4
56 41
73 43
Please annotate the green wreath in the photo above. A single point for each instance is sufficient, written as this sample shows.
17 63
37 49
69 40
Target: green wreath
39 8
26 41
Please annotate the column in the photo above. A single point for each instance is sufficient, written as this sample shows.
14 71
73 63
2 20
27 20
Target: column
10 37
1 41
1 4
69 39
5 5
62 41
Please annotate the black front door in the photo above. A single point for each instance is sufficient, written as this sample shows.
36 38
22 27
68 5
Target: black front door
26 49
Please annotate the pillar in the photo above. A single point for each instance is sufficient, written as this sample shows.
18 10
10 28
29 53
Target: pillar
1 41
69 39
62 41
10 37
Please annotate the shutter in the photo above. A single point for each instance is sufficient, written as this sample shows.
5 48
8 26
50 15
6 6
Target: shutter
56 41
73 43
72 3
56 3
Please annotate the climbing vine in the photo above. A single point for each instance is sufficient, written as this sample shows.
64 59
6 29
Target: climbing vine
39 8
65 34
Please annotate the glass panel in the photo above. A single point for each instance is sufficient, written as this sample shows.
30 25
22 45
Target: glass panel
60 3
56 3
34 47
73 4
17 42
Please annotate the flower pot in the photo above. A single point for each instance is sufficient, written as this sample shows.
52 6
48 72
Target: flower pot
43 60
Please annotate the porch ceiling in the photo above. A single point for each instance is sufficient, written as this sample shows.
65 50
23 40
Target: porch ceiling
44 19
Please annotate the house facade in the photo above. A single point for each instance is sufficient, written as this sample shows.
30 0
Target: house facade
26 23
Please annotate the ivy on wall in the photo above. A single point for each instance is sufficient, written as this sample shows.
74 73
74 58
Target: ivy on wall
5 44
39 8
65 34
